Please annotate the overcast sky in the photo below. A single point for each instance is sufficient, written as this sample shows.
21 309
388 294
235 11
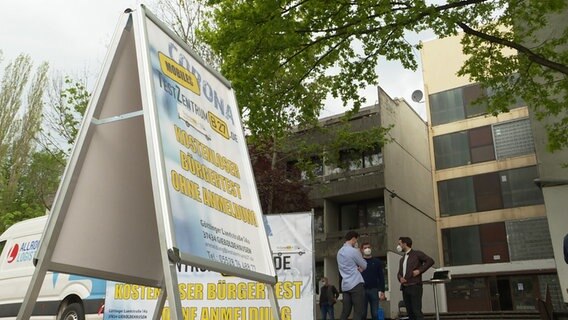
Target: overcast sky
73 37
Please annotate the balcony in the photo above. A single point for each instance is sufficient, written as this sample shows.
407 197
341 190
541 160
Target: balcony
346 184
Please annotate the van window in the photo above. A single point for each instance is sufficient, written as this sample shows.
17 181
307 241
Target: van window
2 244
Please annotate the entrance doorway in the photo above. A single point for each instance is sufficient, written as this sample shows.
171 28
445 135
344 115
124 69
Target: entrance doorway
513 293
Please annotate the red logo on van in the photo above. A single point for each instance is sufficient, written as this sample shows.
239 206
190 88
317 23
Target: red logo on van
13 253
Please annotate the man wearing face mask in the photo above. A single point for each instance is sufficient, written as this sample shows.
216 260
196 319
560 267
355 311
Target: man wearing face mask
351 264
374 281
412 265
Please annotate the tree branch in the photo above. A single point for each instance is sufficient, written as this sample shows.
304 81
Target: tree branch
532 56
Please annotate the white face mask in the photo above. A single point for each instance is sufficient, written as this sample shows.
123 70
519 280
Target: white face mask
399 248
356 245
367 251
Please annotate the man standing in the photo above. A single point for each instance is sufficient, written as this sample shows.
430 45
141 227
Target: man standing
412 265
351 264
328 297
374 281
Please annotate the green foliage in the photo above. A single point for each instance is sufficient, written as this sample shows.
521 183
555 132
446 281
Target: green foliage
537 72
68 103
40 180
184 17
284 57
25 211
20 122
325 145
30 172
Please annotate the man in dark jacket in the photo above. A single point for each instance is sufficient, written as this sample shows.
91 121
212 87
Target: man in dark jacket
374 280
412 265
328 297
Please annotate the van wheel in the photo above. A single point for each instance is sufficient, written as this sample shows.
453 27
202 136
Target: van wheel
73 311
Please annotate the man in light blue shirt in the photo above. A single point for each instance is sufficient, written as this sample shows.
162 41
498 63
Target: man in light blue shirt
351 264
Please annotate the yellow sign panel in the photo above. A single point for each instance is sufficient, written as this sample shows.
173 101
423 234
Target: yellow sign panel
218 125
179 74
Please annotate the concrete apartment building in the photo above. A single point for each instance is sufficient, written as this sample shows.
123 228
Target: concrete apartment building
492 220
384 194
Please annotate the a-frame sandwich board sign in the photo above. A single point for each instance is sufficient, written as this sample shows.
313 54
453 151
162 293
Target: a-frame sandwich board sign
159 175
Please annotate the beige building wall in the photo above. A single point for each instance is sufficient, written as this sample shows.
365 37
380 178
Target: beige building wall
408 175
441 60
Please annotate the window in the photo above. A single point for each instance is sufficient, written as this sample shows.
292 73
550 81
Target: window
461 246
486 243
464 147
451 150
362 214
493 237
461 103
373 157
529 239
352 159
518 101
318 220
471 95
456 196
447 106
481 144
513 139
519 188
349 217
457 104
489 191
2 244
513 240
315 166
374 214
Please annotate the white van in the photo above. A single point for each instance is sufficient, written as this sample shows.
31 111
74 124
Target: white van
62 296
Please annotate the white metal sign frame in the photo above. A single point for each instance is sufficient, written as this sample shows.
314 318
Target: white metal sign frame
111 216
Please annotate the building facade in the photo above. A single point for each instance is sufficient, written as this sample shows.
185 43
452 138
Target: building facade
382 193
553 173
492 219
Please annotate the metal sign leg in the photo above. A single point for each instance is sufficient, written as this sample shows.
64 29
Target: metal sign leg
160 304
30 299
273 302
172 291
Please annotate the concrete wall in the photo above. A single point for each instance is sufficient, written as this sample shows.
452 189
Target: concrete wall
408 174
441 60
555 201
553 175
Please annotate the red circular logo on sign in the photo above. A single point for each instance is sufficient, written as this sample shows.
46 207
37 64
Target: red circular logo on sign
13 253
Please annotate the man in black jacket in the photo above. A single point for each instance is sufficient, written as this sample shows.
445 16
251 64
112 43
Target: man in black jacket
374 280
328 297
412 265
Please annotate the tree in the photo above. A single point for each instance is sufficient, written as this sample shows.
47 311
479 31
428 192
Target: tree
268 133
279 184
284 57
19 126
68 101
185 17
